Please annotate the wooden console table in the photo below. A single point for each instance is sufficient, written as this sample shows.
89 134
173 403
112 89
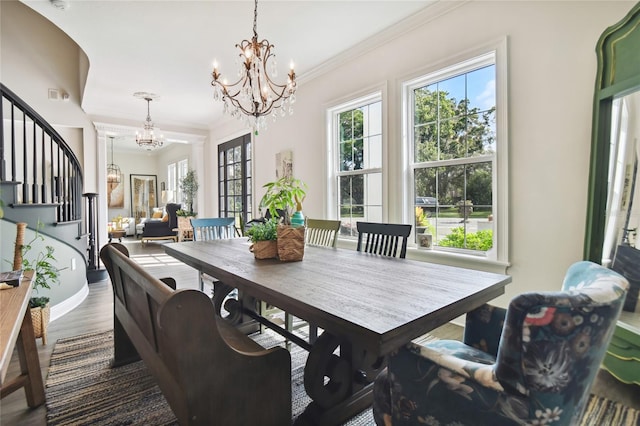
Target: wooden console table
16 327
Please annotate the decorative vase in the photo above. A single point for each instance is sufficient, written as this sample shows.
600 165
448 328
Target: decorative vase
297 219
425 241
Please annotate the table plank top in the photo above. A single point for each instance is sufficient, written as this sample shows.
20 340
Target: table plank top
379 301
13 305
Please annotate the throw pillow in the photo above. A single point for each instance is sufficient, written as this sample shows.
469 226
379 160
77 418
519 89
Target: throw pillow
165 218
157 215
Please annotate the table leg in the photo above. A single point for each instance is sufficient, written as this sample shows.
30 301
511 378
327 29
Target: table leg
30 363
339 385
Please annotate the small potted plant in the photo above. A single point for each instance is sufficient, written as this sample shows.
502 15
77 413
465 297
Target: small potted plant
264 238
284 198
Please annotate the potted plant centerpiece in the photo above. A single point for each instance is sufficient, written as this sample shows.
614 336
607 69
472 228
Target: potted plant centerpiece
42 263
264 238
284 199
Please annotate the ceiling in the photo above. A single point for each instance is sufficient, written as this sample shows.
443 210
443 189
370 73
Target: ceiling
168 47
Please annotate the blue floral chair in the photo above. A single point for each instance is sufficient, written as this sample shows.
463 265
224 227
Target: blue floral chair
531 364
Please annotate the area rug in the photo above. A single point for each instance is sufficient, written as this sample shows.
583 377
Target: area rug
83 389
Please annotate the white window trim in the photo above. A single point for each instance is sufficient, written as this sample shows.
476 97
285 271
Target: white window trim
376 94
495 51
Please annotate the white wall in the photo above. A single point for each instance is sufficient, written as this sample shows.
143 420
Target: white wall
551 69
43 58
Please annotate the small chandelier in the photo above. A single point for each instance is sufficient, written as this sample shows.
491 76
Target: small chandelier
114 175
255 95
148 139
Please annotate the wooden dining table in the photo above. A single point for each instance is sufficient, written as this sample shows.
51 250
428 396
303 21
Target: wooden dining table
367 306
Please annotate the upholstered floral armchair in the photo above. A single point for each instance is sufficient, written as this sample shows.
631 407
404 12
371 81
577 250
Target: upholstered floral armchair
532 364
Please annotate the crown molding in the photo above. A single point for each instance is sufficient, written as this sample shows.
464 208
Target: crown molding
429 13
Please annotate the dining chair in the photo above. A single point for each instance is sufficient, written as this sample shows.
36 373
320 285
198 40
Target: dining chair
322 232
214 228
383 238
532 363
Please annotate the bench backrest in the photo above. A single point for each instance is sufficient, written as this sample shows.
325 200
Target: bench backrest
207 370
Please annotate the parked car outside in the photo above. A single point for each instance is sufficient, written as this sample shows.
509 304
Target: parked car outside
426 201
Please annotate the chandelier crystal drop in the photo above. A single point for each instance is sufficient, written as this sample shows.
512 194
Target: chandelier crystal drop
114 175
149 138
255 95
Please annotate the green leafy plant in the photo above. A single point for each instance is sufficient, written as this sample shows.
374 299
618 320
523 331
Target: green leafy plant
43 265
189 187
284 195
185 213
481 240
423 221
267 231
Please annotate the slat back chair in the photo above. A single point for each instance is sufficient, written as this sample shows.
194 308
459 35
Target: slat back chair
322 232
212 228
215 228
387 239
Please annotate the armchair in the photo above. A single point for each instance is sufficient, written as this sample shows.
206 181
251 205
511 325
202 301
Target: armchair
162 230
533 363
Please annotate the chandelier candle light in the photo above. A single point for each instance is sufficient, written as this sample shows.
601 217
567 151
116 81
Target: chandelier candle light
148 139
255 95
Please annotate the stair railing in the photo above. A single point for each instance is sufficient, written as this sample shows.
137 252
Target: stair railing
36 158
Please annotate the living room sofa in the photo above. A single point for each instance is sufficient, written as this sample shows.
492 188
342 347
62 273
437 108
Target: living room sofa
162 229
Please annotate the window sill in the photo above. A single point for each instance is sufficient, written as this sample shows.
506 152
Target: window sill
445 258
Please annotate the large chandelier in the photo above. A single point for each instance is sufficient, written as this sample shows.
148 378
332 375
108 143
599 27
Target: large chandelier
113 171
148 139
255 95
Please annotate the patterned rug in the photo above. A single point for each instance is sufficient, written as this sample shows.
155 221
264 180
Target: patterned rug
82 389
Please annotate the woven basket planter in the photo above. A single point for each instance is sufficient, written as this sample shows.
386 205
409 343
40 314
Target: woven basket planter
290 243
264 249
40 321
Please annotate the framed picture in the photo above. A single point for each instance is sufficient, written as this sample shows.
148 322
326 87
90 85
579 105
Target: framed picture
284 164
115 194
144 195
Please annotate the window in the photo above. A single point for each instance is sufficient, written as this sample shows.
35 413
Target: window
234 179
454 145
356 141
175 173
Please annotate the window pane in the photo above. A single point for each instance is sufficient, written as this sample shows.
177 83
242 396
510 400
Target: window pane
374 152
346 125
451 96
426 142
481 89
358 122
426 105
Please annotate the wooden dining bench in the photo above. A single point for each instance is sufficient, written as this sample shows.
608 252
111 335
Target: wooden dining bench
209 372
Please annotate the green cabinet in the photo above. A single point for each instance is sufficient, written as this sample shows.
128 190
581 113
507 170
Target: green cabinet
623 355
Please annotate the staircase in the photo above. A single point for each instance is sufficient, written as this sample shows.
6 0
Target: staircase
41 179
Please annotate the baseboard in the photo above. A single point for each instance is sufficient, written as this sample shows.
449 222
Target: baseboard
66 306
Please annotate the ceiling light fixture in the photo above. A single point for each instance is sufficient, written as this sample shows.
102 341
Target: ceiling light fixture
114 175
148 138
255 95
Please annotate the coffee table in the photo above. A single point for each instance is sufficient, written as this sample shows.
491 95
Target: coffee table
117 233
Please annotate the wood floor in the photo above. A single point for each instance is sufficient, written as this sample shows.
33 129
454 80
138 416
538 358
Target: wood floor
96 314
